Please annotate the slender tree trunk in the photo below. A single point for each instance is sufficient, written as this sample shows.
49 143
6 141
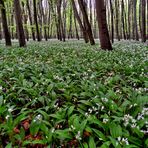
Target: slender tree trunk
129 19
25 18
80 22
117 19
143 21
77 34
5 25
103 30
70 25
19 24
112 21
0 30
88 26
140 17
135 19
36 21
122 18
30 19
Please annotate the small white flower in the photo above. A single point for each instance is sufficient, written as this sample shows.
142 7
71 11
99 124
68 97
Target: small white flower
135 104
86 114
7 117
53 130
102 108
78 136
125 140
72 127
1 87
119 138
37 118
56 105
104 100
105 120
10 110
133 125
90 110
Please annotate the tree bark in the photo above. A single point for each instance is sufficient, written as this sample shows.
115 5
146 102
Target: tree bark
143 21
36 21
19 24
117 19
5 24
112 21
88 26
79 21
135 19
30 19
102 23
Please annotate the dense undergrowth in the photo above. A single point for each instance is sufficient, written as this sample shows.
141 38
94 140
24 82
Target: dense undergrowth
73 95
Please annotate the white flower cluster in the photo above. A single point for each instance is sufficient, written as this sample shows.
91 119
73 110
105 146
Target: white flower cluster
104 100
78 136
142 114
133 123
140 90
94 109
123 140
129 120
58 78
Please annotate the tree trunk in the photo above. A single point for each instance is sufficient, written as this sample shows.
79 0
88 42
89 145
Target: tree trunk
129 20
30 19
135 19
88 26
79 21
77 34
5 25
112 21
60 22
117 19
36 21
143 21
102 23
122 18
19 24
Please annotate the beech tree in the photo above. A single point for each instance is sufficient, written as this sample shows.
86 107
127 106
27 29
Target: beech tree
143 21
102 23
19 24
88 26
5 24
36 21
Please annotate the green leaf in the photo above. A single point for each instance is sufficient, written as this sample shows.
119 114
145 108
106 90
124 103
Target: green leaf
92 142
63 134
115 130
99 134
85 145
9 145
1 100
70 110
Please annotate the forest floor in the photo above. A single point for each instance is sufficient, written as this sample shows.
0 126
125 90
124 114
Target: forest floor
73 95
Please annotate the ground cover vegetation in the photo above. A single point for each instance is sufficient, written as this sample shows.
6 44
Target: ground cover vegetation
73 95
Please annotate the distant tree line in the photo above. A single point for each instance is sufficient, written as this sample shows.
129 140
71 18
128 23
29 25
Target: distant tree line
68 19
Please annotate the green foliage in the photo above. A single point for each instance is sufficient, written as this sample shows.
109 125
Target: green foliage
70 94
